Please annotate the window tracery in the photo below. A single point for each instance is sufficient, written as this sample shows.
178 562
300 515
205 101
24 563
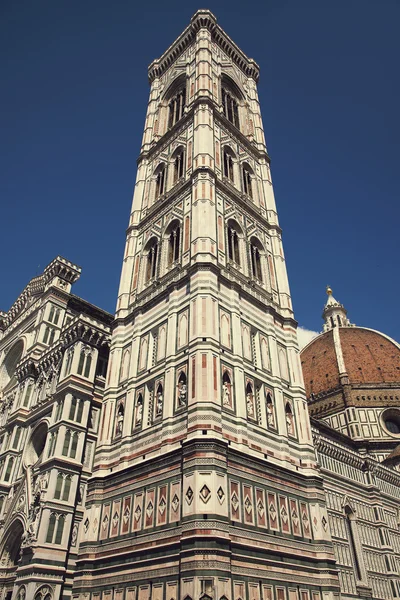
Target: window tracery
176 107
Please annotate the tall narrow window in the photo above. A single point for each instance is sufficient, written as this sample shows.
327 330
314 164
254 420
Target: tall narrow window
247 186
68 362
230 107
50 529
67 441
60 529
88 365
80 411
67 487
179 165
60 406
160 182
28 394
59 484
7 474
74 445
72 409
174 244
152 254
49 334
228 165
176 107
233 245
17 436
255 261
81 362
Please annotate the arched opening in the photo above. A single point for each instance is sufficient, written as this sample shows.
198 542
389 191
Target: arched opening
174 242
177 103
160 174
230 95
182 389
256 251
151 259
247 176
233 233
7 370
178 158
228 161
35 446
12 548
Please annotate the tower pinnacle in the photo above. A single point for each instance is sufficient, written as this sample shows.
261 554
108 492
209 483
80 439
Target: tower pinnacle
334 313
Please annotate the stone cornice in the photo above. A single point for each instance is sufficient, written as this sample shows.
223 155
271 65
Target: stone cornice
59 267
329 446
166 139
179 276
81 329
200 20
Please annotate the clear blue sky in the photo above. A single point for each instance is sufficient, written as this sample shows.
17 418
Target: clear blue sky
72 107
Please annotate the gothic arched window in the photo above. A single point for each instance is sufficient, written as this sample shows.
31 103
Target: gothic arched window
247 175
174 243
255 259
160 181
230 106
233 232
152 255
228 163
176 107
179 164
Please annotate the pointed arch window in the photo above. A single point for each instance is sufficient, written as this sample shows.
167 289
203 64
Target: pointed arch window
48 337
67 441
176 107
255 259
7 474
247 181
233 243
152 256
160 181
174 243
228 164
59 485
230 107
179 164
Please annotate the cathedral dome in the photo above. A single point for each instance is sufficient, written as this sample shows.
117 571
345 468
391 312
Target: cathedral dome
368 357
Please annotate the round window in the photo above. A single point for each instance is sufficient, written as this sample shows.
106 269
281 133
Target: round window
391 421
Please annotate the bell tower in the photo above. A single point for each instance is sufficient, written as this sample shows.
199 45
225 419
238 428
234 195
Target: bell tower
204 481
